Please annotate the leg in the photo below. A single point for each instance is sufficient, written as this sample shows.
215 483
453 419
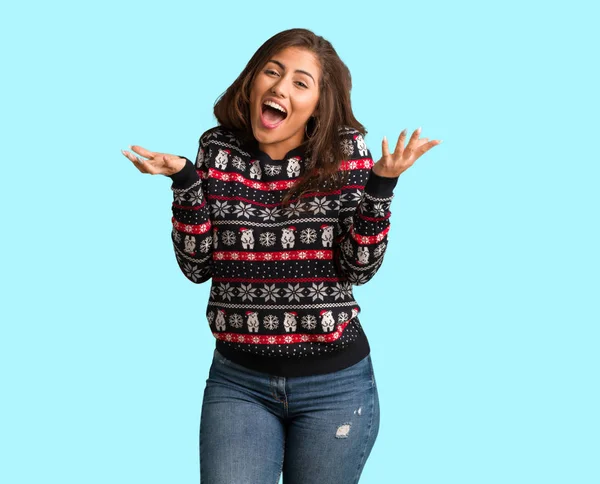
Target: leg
241 438
333 427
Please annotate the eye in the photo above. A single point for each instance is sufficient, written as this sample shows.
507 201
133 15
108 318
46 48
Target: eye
302 84
270 71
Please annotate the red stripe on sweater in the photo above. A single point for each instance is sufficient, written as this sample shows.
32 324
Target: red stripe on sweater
362 163
191 228
369 239
281 339
273 256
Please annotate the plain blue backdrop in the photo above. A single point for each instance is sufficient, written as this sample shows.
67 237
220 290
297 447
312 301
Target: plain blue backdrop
483 319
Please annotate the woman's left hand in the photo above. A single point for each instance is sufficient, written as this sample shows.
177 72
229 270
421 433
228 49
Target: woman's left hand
392 165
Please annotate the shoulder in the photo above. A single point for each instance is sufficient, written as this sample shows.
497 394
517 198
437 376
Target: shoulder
217 135
352 142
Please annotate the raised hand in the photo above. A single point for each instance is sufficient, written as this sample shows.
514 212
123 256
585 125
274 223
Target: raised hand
156 163
392 165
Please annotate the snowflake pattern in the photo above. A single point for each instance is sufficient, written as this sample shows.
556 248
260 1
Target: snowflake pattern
269 213
176 236
317 291
206 244
225 291
347 148
380 249
220 208
342 317
246 291
319 205
238 163
293 292
192 272
228 237
308 235
346 246
244 210
179 197
231 138
308 322
267 239
379 209
294 209
271 321
337 291
236 321
269 292
196 197
273 169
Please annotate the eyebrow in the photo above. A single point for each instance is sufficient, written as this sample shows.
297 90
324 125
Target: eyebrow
297 70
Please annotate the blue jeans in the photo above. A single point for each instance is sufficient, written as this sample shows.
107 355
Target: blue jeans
314 429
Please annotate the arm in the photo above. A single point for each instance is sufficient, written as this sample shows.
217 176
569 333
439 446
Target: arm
192 230
363 242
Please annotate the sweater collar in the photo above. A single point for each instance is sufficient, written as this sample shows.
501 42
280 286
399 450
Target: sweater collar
299 151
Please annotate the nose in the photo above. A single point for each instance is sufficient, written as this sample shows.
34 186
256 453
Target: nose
279 89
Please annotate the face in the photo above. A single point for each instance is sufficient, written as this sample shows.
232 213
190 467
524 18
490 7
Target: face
291 80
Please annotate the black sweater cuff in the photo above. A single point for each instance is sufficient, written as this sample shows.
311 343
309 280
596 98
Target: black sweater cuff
380 186
185 177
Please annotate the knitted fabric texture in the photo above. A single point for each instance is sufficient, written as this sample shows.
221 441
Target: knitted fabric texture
281 298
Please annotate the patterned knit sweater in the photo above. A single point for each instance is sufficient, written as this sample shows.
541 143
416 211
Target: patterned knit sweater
281 298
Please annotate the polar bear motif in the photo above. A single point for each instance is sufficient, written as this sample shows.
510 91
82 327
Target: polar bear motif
363 255
190 244
255 171
247 238
252 321
220 320
293 167
289 321
327 321
288 237
327 235
361 145
215 237
354 312
222 159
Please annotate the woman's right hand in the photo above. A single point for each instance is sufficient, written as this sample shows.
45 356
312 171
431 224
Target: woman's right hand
156 163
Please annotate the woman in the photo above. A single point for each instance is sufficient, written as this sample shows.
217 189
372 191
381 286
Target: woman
285 210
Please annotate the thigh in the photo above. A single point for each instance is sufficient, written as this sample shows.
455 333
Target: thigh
241 440
334 425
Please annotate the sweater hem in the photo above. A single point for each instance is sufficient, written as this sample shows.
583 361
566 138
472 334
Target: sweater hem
288 367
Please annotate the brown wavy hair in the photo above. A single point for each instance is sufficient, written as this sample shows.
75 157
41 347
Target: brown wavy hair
323 152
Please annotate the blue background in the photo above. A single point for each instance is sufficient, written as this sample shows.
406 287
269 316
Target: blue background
483 319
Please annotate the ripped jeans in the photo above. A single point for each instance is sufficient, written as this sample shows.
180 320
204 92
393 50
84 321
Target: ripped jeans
314 429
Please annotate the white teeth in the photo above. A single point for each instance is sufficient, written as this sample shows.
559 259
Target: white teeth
276 106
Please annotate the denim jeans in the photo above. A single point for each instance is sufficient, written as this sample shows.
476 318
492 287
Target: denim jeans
314 429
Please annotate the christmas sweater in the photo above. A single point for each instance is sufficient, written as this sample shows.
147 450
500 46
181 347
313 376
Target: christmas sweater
281 298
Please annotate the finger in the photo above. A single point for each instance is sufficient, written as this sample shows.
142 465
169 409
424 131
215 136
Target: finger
130 156
138 162
400 144
385 151
426 147
143 151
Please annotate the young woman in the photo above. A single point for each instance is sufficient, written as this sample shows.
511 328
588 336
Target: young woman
285 211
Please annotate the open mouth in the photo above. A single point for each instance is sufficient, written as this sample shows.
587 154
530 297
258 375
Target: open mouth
272 114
